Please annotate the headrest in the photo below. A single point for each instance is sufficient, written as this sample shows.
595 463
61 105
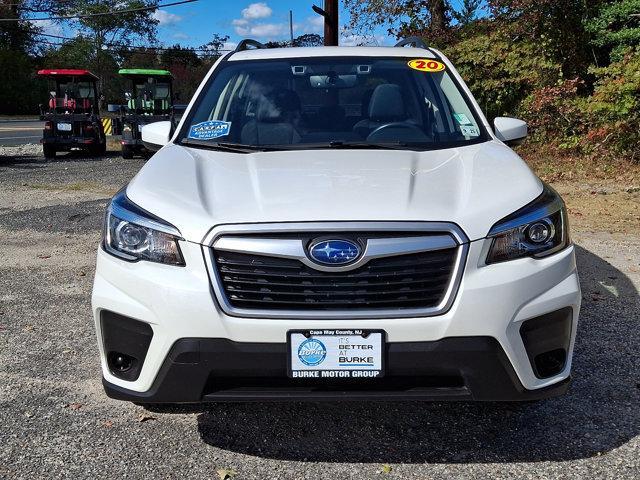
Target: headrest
275 106
386 103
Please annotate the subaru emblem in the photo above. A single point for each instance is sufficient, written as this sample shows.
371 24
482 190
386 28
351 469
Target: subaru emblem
334 252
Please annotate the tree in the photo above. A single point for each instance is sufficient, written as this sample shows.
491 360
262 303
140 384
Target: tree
119 28
308 40
187 68
555 25
213 48
468 12
615 28
430 19
20 92
304 40
108 32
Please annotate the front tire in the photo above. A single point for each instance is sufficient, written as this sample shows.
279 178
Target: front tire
49 151
98 150
127 152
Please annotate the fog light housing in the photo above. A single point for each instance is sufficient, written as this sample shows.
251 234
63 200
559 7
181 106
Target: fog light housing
547 341
126 342
120 362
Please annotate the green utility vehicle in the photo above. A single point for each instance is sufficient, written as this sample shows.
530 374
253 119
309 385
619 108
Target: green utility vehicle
149 99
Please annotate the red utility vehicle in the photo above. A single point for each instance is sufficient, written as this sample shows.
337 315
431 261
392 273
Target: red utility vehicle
72 117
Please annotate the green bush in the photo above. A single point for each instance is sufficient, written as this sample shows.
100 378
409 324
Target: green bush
612 113
501 73
608 120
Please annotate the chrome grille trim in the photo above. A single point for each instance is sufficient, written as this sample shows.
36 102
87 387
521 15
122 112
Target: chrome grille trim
230 238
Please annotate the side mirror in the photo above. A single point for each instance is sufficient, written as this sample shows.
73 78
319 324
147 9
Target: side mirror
127 95
156 135
510 130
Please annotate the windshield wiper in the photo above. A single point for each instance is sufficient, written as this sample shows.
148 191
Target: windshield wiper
225 146
372 145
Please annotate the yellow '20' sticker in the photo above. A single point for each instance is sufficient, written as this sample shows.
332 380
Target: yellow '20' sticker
426 65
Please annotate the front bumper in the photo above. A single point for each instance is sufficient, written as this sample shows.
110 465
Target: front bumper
477 344
213 369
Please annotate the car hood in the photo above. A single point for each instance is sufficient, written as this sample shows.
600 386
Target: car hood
197 189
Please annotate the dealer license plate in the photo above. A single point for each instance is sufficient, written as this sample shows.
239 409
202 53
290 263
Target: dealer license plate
336 353
64 127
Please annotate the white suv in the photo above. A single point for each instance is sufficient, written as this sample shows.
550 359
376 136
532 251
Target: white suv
332 223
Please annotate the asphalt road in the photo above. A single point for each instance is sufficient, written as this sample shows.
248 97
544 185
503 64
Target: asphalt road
56 421
19 132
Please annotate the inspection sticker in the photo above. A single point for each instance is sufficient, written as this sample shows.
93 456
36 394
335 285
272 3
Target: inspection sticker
426 65
462 119
209 130
469 131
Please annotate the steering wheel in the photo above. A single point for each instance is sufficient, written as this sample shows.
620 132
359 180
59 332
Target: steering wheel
409 127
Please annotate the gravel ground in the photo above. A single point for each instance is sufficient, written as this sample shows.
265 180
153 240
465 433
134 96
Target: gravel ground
56 421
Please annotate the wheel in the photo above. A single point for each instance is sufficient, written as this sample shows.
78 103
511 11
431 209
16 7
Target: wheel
49 151
98 149
127 152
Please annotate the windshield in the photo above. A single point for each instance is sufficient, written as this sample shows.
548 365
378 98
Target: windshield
150 95
299 103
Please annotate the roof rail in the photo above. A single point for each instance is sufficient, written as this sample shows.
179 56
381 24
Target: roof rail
417 42
246 43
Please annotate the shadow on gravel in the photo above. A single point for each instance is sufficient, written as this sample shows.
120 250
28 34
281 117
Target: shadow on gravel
32 162
597 415
77 218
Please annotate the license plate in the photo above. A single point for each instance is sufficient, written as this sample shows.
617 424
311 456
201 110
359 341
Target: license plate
64 127
336 353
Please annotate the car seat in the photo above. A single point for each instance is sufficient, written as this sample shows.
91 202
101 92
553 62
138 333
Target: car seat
275 118
385 106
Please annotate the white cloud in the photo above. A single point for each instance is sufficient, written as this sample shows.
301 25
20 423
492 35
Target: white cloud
315 24
263 30
229 45
48 27
166 18
239 22
351 40
257 10
181 36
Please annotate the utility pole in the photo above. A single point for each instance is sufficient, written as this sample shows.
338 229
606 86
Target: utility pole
330 14
291 26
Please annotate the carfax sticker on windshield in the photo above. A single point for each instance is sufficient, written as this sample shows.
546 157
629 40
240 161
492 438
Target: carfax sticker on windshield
426 65
209 130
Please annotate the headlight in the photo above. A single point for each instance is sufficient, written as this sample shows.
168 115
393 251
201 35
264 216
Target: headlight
134 234
536 230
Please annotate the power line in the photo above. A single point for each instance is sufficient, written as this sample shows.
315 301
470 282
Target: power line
120 45
135 48
101 14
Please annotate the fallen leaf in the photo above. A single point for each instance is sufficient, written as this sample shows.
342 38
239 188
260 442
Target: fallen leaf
28 414
107 424
145 417
611 289
74 406
44 257
28 328
81 273
225 473
386 468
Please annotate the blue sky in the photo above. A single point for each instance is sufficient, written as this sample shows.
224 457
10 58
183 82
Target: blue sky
194 24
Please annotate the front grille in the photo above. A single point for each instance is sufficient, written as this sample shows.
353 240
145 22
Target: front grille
418 280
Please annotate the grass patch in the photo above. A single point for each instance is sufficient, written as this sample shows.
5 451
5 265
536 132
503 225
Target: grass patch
553 166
